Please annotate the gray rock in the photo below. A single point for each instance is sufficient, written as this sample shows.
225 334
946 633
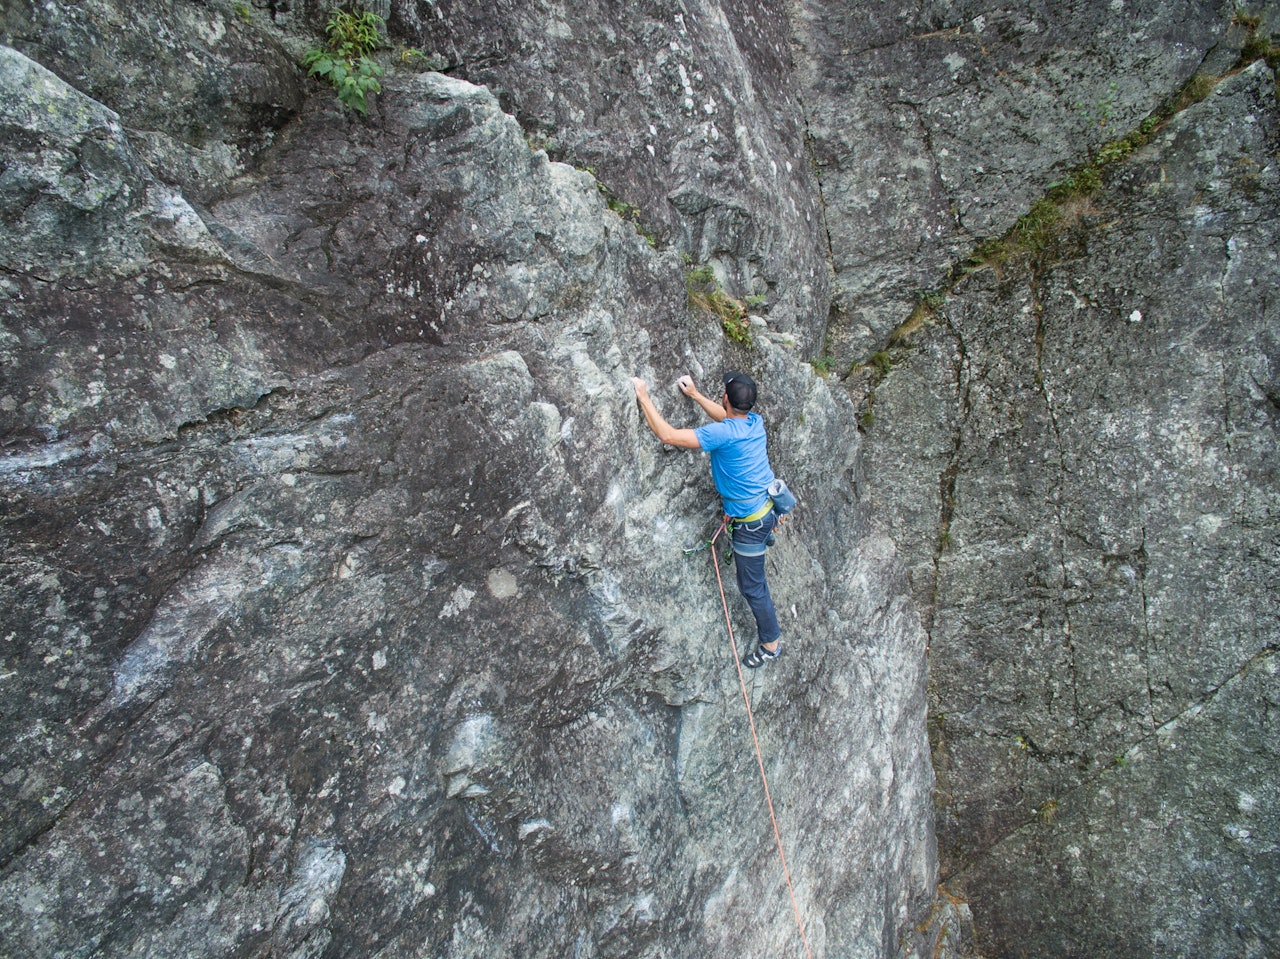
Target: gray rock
201 86
350 613
936 125
77 199
1080 462
345 603
686 116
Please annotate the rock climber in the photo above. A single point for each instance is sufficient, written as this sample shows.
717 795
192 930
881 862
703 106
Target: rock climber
740 467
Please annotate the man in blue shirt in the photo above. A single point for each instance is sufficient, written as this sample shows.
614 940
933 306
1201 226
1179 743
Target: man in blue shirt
740 467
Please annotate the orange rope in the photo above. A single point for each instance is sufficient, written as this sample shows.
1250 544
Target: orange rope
742 681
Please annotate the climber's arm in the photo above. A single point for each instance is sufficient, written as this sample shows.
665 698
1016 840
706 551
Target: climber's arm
709 406
686 439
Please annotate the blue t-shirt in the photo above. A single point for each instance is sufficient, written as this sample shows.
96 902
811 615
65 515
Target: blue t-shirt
739 462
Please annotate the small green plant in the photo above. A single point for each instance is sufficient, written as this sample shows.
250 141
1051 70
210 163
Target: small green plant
1082 182
1038 226
1035 232
756 300
822 365
1113 151
734 324
626 211
1257 45
1193 91
928 303
1047 811
346 64
705 294
699 275
412 57
879 363
242 10
1102 112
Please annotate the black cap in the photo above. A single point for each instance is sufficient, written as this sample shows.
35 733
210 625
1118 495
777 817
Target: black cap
741 389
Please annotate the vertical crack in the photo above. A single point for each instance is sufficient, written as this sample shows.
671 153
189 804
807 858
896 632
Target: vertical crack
936 720
1037 305
817 180
947 478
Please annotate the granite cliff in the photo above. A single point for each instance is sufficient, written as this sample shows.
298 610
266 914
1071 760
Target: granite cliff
346 611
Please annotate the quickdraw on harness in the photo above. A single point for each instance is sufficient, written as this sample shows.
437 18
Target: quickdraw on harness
755 739
727 526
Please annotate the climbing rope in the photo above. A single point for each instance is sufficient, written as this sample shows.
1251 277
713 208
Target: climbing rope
742 681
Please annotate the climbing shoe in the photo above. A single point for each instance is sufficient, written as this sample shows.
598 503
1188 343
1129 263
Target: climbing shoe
760 656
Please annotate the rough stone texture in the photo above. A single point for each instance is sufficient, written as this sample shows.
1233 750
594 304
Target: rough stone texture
345 612
201 86
344 607
78 200
1081 464
936 124
685 112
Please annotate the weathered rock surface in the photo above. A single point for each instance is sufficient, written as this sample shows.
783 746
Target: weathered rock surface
202 86
937 124
345 608
345 611
687 114
1083 459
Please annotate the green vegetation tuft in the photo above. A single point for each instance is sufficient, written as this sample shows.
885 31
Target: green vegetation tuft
1258 45
626 211
1102 112
699 275
1038 227
412 58
346 63
928 305
1193 91
705 295
823 365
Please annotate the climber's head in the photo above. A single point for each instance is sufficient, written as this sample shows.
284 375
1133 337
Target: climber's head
740 390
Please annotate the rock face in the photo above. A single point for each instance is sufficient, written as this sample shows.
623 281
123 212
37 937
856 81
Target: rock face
1078 458
936 125
346 611
345 607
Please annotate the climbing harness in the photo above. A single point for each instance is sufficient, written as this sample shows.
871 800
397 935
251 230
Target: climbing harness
761 513
742 681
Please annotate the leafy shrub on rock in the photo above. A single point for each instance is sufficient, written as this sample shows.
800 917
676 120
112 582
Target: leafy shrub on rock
346 63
